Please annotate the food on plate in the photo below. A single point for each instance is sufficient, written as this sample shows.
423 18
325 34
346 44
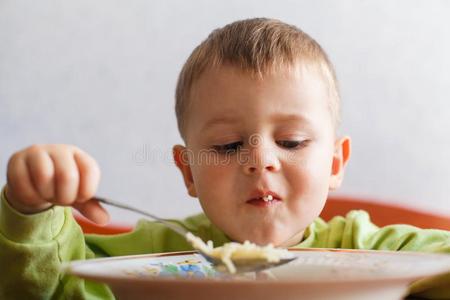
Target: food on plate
231 253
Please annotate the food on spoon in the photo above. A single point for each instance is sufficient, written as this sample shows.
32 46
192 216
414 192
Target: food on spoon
236 252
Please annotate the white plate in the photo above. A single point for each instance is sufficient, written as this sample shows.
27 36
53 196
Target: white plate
316 274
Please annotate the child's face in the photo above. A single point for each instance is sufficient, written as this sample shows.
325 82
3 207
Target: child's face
280 137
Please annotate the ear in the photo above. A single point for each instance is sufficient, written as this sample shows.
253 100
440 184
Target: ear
340 159
181 158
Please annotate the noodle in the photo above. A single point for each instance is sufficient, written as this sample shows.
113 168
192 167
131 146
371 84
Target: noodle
233 251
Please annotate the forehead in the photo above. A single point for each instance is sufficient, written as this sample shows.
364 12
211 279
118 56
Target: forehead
228 95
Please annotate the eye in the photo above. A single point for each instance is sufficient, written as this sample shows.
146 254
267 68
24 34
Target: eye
293 144
228 148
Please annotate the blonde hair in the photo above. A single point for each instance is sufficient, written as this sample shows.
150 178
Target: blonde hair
259 46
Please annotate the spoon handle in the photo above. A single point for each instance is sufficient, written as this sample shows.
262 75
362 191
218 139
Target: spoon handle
176 228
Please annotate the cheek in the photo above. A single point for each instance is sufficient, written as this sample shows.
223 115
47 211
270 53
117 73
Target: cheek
215 187
307 196
212 181
309 176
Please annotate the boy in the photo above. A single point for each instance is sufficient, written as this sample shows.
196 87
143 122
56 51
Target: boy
257 106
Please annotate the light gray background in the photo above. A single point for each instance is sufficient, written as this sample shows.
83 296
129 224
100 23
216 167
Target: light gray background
101 75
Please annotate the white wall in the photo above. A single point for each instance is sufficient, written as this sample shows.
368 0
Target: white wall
101 75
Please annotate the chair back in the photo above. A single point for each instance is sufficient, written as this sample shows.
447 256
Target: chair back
90 227
382 213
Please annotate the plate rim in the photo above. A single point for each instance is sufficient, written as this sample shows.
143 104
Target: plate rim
71 268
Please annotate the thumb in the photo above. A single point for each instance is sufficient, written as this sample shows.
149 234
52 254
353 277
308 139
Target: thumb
93 211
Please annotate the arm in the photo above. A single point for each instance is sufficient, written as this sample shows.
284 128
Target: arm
36 233
33 247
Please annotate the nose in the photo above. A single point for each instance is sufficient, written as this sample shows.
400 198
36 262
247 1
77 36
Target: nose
261 159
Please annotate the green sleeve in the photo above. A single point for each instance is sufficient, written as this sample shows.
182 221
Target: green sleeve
356 231
32 249
152 237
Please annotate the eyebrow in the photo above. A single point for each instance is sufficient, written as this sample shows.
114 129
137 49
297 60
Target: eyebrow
290 117
274 118
220 120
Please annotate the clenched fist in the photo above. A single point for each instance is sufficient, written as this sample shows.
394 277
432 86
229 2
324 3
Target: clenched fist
44 175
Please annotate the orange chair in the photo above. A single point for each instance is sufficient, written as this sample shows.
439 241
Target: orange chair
380 213
90 227
384 214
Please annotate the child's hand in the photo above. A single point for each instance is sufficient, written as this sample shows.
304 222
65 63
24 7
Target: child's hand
44 175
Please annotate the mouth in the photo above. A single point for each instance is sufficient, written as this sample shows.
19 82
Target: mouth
264 198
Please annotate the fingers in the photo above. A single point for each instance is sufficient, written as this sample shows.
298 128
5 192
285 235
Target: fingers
21 192
42 175
42 171
88 183
66 177
89 175
93 211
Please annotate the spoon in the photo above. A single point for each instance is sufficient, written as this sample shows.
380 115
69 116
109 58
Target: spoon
241 265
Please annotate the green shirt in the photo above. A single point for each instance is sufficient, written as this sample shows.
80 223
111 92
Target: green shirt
33 247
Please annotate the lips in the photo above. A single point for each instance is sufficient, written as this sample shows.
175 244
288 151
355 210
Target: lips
264 198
